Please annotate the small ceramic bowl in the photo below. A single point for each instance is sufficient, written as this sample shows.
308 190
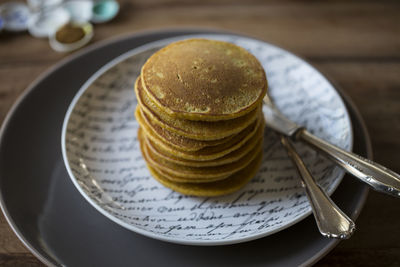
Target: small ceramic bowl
68 47
1 24
79 10
43 24
15 16
104 10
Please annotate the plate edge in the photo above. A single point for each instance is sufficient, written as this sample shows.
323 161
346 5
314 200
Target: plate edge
144 47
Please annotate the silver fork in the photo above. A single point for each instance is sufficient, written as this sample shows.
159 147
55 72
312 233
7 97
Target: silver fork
331 221
378 177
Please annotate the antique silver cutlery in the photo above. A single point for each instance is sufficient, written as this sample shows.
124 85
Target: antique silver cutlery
378 177
331 221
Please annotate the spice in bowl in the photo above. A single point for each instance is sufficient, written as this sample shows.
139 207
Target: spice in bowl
69 34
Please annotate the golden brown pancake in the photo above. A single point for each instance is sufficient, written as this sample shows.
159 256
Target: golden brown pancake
177 141
197 174
200 79
198 130
232 157
151 162
212 152
218 188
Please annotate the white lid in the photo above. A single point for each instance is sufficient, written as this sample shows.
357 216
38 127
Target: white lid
80 11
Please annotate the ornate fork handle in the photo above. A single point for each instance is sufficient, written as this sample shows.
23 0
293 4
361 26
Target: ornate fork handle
331 221
377 176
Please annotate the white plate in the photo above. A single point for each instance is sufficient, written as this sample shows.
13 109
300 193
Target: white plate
101 153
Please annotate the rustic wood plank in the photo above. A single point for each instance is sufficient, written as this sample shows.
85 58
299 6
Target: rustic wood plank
9 243
323 29
361 257
377 225
19 259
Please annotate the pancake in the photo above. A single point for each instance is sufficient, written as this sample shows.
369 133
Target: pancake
212 152
198 174
175 178
229 158
200 79
212 189
198 130
177 141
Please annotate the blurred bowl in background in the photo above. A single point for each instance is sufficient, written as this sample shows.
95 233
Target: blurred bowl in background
46 22
80 11
71 37
1 24
37 5
15 16
104 10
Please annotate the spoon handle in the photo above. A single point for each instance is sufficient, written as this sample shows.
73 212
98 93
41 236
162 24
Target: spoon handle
378 177
331 221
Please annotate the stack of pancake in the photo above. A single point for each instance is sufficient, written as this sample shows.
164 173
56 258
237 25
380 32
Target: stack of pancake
201 123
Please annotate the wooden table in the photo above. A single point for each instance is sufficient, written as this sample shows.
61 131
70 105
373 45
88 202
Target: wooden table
356 43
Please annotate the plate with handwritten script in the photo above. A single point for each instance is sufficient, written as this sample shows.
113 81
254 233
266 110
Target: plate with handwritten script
102 155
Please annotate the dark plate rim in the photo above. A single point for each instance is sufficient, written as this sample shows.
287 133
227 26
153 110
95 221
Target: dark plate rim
20 101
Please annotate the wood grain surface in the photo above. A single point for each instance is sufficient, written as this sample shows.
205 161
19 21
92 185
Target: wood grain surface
356 43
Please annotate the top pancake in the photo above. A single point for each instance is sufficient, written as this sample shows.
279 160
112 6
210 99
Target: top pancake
199 79
198 130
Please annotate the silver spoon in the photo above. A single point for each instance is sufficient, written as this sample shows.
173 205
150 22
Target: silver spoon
331 221
378 177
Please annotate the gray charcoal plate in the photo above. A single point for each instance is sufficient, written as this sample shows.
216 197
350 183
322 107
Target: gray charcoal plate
56 223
